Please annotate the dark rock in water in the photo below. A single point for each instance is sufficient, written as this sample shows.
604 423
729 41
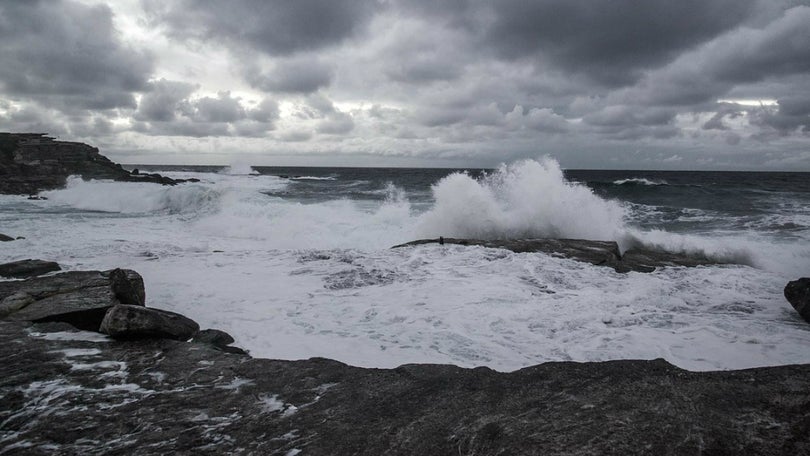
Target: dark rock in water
32 162
89 395
80 298
27 268
797 293
37 198
4 238
601 253
137 322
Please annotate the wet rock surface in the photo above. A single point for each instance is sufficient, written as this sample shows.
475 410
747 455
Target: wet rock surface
600 253
72 392
78 297
27 268
33 162
138 322
797 292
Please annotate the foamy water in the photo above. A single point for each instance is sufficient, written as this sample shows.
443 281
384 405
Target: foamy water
294 278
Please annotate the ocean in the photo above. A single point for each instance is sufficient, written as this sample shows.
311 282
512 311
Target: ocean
296 262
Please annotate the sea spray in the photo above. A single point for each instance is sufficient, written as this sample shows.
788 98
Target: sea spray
133 197
527 199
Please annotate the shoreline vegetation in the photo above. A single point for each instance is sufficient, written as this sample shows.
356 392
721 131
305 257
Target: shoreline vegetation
90 368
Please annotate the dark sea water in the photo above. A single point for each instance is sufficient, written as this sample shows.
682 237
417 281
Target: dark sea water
774 203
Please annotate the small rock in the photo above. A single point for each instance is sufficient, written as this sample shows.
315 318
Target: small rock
797 293
214 337
128 287
14 302
136 322
4 238
27 268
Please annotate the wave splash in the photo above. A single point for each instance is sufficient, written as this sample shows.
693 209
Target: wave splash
133 197
639 181
521 200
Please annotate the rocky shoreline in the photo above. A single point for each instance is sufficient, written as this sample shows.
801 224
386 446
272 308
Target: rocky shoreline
155 384
33 162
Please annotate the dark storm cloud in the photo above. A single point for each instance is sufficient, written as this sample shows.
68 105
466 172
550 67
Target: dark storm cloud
273 27
791 115
69 55
610 41
746 55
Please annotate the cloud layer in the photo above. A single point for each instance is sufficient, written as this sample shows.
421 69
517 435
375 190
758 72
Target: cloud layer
723 84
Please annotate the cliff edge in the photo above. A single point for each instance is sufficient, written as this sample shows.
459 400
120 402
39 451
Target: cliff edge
33 162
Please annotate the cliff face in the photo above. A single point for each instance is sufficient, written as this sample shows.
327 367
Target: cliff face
32 162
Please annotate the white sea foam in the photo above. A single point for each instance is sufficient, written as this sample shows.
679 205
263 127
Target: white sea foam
639 181
239 169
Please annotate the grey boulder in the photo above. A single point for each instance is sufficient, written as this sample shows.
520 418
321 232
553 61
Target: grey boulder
136 322
80 298
797 293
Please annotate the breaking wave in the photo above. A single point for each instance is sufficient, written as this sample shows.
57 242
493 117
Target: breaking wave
639 181
133 197
525 199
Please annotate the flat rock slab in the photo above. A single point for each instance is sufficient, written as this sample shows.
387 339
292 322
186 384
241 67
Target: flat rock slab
27 268
69 392
601 253
79 297
137 322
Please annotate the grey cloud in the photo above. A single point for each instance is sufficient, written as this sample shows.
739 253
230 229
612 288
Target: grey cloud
168 109
68 55
746 55
162 100
609 41
221 109
296 75
277 28
267 111
791 115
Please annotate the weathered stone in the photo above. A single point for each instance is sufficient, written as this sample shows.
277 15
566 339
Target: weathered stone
4 238
213 337
137 322
32 162
601 253
174 397
128 287
27 268
218 339
80 298
797 293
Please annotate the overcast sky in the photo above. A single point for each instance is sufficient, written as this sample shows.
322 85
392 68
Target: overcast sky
653 84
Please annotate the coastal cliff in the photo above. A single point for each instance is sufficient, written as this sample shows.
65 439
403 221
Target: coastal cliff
33 162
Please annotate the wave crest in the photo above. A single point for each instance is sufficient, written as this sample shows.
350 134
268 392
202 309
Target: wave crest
525 199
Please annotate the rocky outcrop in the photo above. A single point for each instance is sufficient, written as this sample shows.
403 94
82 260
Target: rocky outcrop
136 322
80 298
32 162
601 253
27 268
68 392
4 238
797 293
